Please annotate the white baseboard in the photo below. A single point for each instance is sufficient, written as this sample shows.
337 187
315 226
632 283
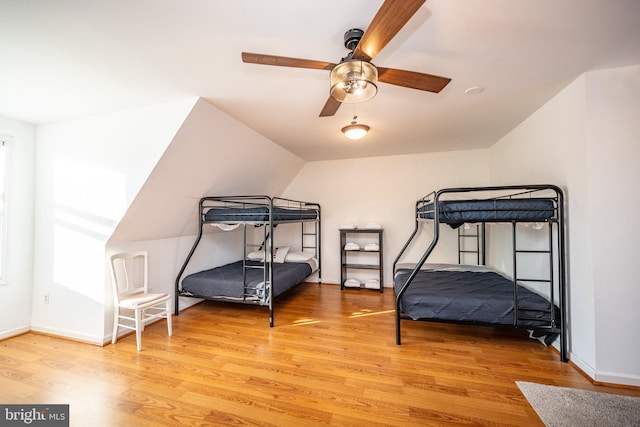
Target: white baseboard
604 376
583 366
14 332
90 339
617 378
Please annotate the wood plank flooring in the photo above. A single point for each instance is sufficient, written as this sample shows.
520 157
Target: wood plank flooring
331 359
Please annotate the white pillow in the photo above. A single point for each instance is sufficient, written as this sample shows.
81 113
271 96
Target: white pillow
298 256
255 256
279 254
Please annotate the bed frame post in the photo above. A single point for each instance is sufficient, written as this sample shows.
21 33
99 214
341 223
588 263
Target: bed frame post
552 280
318 228
514 243
270 258
484 243
184 265
562 277
393 269
436 236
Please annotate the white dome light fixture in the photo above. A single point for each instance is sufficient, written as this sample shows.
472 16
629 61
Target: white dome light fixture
354 130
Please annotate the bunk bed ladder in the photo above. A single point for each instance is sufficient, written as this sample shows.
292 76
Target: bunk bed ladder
249 292
475 236
549 318
311 236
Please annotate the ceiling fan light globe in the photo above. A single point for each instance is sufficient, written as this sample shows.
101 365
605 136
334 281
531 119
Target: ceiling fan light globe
354 81
355 131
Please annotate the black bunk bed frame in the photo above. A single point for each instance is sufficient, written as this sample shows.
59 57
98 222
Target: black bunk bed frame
432 208
257 211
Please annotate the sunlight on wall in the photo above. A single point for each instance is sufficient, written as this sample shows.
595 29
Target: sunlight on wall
88 202
2 222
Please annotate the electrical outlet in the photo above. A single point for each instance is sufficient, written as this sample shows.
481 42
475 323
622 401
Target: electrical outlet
46 298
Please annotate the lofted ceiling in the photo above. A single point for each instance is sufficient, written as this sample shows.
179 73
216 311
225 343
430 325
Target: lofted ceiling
65 59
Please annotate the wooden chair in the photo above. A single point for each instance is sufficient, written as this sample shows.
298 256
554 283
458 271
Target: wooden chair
134 306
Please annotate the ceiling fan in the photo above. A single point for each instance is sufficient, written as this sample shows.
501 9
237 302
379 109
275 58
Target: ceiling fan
355 78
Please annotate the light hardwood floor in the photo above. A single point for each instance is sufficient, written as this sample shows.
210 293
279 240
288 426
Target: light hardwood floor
331 359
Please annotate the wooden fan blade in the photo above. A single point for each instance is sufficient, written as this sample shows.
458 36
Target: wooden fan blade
412 80
390 18
330 107
282 61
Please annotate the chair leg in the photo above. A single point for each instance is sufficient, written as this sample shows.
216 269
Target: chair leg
169 325
114 335
138 314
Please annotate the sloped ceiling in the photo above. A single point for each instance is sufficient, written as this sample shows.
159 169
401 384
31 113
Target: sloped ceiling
212 153
67 58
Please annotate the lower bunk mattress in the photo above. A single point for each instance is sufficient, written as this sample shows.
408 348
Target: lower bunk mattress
226 282
471 294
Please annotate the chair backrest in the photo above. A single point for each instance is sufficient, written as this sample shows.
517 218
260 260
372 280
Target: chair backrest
129 273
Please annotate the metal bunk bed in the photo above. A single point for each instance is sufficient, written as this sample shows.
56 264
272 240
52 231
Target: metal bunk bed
474 294
250 280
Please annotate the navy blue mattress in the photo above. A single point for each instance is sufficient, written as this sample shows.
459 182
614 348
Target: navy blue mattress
258 214
468 296
226 281
457 212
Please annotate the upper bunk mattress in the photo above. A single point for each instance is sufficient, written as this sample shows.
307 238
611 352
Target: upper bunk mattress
461 211
226 281
468 296
258 214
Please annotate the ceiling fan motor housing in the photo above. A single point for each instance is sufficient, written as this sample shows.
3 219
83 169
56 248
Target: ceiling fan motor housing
352 38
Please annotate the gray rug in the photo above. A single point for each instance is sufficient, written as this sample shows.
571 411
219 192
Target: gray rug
561 406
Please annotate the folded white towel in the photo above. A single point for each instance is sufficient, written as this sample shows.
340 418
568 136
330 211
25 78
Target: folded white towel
350 246
372 284
349 226
226 227
372 247
373 226
351 283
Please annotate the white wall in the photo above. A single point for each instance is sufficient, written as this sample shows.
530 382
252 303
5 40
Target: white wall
15 295
613 151
549 148
87 172
585 141
384 190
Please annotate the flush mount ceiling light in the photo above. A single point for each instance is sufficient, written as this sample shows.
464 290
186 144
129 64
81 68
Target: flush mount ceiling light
354 81
354 130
